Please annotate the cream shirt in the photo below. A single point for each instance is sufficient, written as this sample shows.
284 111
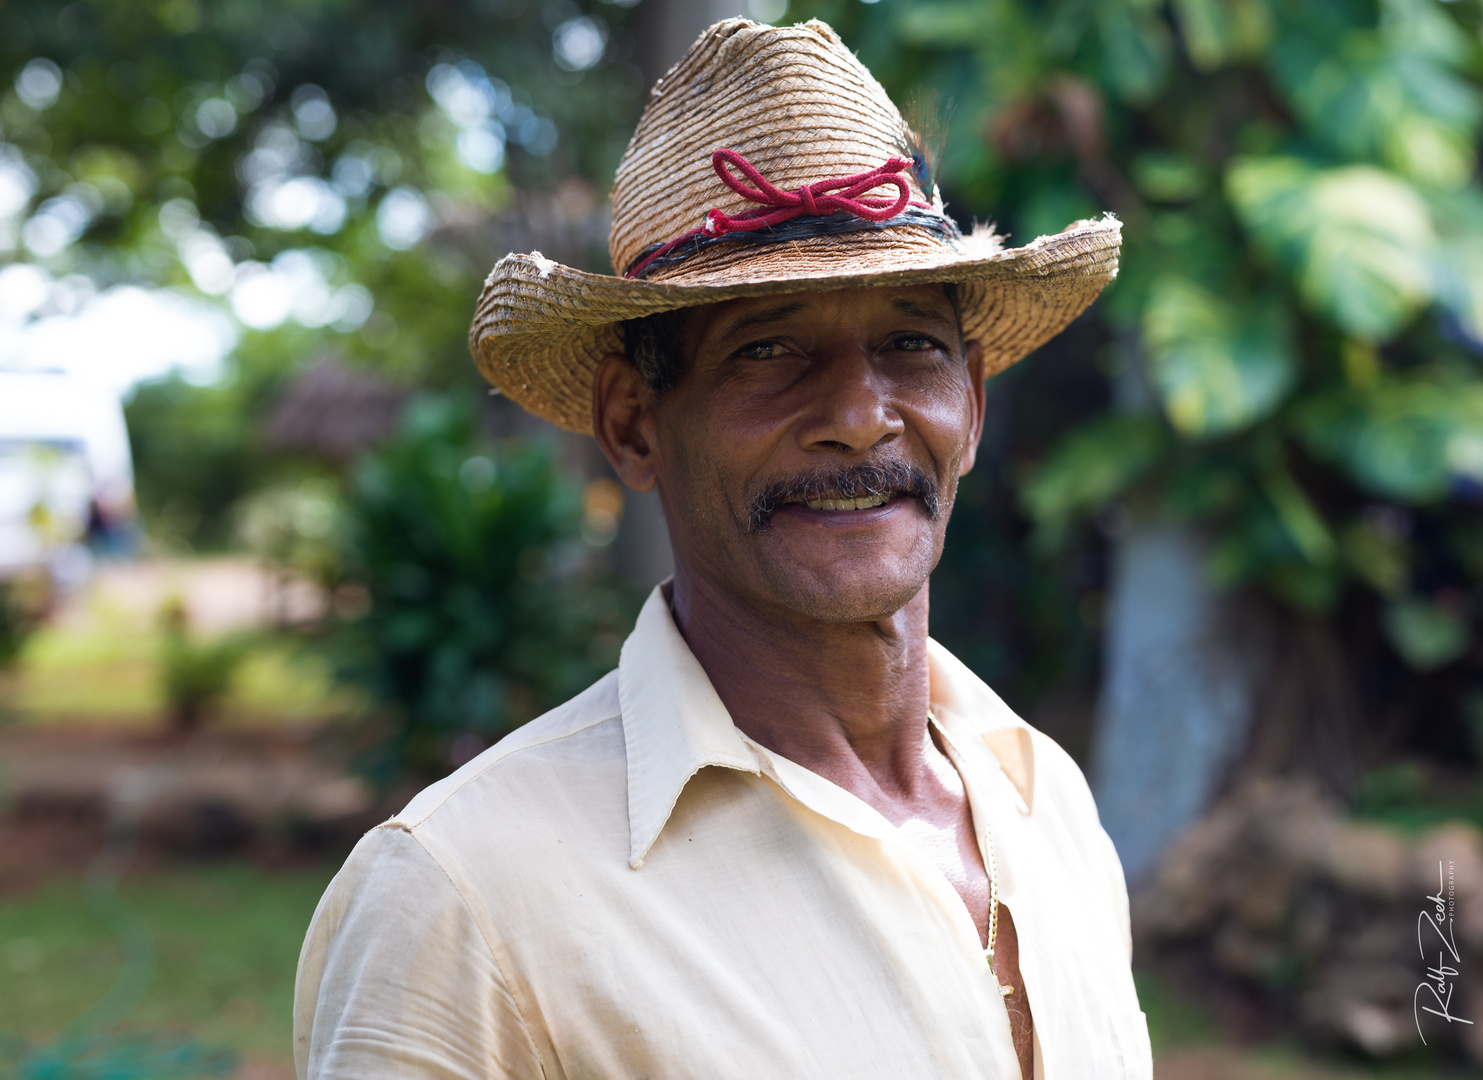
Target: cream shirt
629 887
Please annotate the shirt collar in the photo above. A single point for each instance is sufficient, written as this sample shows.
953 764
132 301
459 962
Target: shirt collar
674 723
965 707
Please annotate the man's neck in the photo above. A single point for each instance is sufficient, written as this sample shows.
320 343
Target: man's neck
847 701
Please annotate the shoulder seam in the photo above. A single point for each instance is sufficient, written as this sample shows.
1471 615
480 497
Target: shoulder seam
500 759
488 945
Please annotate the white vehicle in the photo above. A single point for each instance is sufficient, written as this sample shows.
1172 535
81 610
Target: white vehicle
66 475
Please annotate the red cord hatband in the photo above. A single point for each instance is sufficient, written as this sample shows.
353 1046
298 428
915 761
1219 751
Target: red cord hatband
846 194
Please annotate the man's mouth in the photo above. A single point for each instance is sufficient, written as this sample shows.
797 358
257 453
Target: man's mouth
844 487
848 504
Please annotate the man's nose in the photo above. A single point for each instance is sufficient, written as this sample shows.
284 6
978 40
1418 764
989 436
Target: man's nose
850 407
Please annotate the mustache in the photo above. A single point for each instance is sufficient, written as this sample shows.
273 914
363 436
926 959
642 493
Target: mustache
843 482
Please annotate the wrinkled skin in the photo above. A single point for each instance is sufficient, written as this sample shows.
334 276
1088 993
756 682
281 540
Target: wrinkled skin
811 622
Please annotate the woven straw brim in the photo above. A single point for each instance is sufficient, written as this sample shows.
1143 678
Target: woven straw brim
541 328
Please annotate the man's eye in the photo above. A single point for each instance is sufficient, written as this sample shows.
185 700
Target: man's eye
914 343
760 350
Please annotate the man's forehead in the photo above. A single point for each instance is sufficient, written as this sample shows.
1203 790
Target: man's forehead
730 317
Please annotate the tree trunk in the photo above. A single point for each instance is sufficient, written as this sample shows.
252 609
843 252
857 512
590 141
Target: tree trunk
1309 719
1178 691
1180 671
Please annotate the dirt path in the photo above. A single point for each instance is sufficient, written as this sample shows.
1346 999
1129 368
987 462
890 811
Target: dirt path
218 594
264 794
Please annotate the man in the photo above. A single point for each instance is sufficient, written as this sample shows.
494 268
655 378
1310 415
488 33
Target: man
790 836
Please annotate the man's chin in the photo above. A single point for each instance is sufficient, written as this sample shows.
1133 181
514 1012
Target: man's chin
841 567
845 591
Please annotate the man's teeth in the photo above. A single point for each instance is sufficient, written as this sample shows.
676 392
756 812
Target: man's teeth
848 504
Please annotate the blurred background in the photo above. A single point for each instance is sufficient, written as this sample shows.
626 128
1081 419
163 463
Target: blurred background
271 557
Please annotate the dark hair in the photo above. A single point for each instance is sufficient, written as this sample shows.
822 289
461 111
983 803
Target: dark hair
655 343
655 347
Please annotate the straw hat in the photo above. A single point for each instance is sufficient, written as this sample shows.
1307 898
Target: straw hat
770 161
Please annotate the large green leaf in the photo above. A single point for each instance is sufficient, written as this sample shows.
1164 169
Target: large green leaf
1215 31
1136 45
1169 177
1300 519
999 31
1218 364
1358 240
1257 546
1089 469
1407 439
1390 92
949 25
1380 559
1459 259
1427 635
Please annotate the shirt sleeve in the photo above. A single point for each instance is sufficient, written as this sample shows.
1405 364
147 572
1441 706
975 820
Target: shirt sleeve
397 980
1117 887
1065 777
1111 867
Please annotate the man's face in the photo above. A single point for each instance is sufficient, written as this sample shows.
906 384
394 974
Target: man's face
809 455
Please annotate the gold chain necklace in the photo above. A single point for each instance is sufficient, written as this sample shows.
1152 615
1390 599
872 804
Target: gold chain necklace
1004 991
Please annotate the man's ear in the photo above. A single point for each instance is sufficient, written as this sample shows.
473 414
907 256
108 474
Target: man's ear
623 421
973 363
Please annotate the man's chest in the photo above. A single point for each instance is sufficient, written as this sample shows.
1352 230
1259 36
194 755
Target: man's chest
757 939
951 846
947 836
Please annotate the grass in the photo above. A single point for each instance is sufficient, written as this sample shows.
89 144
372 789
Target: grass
225 939
1174 1018
104 673
98 661
1412 798
1178 1023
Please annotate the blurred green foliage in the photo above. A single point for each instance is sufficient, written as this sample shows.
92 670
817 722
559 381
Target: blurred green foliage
1090 478
482 606
1174 1019
1290 358
196 453
325 170
1411 797
1294 348
195 673
292 527
22 604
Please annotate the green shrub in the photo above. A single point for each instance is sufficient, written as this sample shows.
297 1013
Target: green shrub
482 606
23 602
195 674
195 456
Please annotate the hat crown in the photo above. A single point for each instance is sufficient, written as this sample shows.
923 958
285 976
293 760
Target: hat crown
792 100
809 131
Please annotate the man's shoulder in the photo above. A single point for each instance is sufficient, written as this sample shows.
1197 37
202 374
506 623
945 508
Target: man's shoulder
526 774
1059 775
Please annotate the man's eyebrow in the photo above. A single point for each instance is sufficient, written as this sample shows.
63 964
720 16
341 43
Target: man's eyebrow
765 317
922 311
